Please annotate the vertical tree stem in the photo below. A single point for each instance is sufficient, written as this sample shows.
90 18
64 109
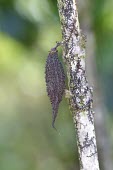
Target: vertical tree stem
81 94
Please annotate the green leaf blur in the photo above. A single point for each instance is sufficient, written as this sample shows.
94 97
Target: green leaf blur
28 30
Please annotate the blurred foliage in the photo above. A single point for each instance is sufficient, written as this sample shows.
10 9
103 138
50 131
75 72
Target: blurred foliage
28 29
103 27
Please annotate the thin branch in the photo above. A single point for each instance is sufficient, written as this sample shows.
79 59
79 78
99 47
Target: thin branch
81 94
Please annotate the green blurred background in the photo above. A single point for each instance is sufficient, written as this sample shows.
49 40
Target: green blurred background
28 30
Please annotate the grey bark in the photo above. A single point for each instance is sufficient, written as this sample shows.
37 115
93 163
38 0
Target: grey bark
101 117
81 94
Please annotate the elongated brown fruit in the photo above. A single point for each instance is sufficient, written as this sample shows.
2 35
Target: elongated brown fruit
55 81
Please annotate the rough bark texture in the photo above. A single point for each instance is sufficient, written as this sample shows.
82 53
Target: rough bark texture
104 140
81 93
101 119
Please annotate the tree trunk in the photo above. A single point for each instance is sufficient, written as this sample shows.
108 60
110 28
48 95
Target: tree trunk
80 92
